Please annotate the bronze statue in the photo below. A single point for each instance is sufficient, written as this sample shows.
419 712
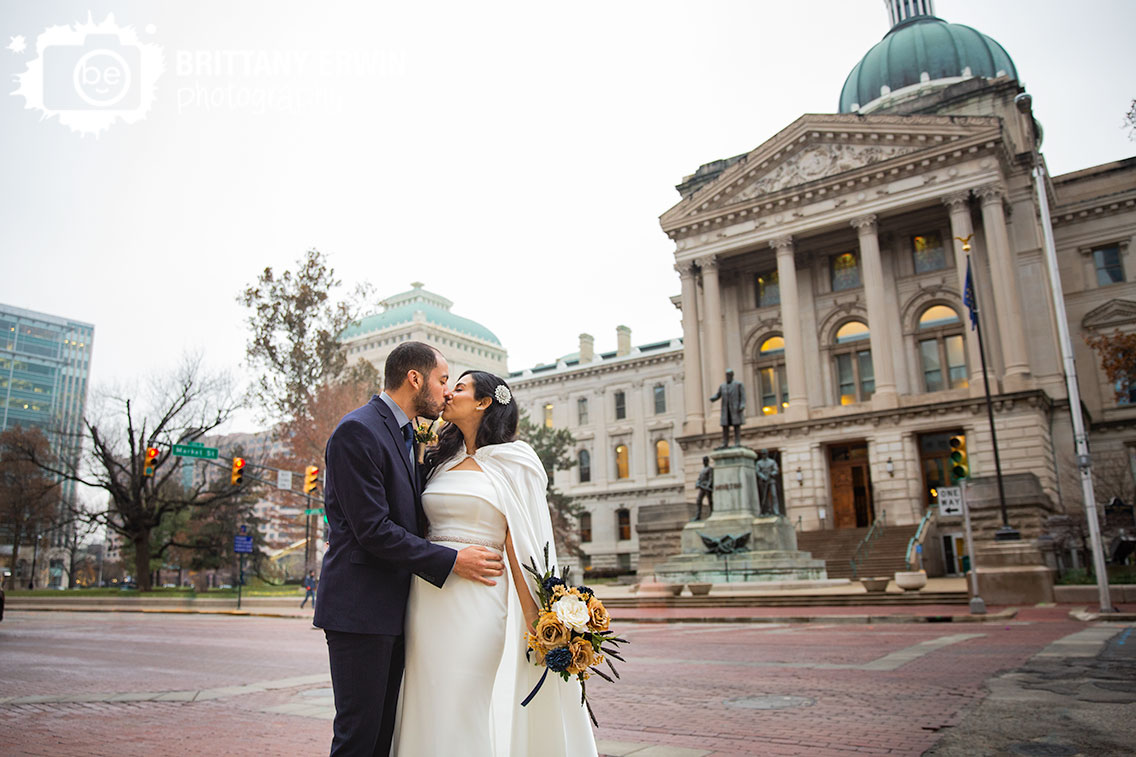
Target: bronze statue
705 487
733 396
767 472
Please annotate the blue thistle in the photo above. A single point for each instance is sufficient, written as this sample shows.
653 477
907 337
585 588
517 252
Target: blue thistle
550 583
587 592
558 659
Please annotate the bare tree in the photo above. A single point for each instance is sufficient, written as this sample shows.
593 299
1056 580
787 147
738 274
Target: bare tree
29 497
185 406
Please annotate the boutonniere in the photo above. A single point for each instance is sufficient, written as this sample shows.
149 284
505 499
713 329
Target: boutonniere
426 434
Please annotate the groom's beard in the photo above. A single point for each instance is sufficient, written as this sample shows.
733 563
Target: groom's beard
425 407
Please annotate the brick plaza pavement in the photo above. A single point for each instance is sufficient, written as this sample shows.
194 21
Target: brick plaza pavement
159 684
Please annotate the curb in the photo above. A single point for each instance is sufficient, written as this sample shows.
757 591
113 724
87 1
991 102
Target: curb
997 617
160 611
1090 616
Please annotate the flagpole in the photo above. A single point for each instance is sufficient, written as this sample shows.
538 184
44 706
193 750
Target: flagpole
1006 532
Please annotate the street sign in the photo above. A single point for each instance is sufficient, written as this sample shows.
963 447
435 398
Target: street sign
950 500
195 450
313 511
242 544
284 480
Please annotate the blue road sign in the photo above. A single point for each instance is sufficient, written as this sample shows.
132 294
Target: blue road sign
242 544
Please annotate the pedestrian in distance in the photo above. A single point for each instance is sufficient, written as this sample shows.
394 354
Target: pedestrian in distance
309 585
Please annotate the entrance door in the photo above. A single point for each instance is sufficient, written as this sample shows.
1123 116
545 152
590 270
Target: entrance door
851 486
954 553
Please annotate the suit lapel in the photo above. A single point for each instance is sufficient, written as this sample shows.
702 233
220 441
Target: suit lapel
396 436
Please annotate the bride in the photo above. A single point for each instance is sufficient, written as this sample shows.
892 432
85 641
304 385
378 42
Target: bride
466 672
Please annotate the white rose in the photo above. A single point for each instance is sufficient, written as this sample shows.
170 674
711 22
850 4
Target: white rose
572 612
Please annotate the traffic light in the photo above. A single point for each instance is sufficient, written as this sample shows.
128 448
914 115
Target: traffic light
237 477
311 479
151 462
960 465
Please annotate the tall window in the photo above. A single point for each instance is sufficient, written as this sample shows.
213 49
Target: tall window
942 353
855 377
845 271
768 289
1110 268
582 411
622 461
620 406
771 376
623 523
548 415
660 393
662 457
584 459
585 527
928 253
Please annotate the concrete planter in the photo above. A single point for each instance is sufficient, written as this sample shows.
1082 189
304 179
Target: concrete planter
876 585
699 590
910 580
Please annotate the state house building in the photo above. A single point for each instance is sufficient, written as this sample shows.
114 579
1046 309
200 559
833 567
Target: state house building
826 267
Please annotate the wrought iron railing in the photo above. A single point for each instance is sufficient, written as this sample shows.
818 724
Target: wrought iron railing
865 545
920 535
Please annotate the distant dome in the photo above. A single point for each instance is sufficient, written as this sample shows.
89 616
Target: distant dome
435 309
923 48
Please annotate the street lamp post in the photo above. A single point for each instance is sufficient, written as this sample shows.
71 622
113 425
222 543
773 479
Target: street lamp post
1084 461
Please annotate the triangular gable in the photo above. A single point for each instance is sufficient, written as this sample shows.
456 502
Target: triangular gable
815 148
1112 313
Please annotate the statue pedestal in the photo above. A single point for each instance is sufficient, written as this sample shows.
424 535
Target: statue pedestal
768 550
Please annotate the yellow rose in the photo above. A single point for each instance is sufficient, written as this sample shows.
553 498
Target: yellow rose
550 632
582 655
600 620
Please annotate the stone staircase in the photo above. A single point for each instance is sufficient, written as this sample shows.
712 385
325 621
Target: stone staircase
884 557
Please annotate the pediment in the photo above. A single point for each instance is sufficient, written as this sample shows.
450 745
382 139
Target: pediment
816 153
1111 314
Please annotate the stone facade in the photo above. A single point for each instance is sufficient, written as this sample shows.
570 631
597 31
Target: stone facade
624 409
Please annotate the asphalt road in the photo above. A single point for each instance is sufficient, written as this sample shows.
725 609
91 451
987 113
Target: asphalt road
172 684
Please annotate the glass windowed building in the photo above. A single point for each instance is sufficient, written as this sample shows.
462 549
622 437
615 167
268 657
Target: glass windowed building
45 361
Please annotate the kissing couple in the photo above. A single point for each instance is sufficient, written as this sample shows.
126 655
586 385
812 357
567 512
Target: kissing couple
424 625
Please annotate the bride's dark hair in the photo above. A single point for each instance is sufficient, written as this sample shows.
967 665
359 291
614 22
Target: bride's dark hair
498 422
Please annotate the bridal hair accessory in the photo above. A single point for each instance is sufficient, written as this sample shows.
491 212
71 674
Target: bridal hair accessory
502 394
572 634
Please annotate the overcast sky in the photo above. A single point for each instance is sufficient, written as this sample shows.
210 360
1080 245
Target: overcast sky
514 156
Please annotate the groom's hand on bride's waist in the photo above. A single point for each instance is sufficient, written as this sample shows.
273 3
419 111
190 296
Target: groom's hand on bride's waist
479 564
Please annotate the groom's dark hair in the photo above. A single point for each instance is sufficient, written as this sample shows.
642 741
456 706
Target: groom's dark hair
408 356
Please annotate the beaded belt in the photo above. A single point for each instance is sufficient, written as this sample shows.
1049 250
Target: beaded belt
432 536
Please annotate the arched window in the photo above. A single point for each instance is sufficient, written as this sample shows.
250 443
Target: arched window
771 383
585 527
621 461
942 353
662 457
584 459
852 361
623 524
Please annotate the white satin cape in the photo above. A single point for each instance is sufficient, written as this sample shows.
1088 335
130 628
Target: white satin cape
554 724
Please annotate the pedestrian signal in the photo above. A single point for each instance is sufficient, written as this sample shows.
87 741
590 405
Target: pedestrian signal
151 462
237 477
311 479
960 465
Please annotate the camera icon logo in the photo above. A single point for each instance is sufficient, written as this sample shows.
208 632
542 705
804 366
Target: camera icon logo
96 74
92 75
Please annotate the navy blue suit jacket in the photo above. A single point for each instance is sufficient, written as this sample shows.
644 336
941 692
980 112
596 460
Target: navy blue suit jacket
374 510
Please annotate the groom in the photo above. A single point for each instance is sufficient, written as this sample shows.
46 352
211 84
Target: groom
373 502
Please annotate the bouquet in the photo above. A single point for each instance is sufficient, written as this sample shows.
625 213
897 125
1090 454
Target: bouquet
425 434
571 636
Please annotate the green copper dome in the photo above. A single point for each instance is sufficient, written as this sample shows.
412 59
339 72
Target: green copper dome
923 48
403 307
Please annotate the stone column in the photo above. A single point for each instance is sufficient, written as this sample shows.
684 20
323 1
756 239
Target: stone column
1005 282
693 396
715 352
958 204
875 295
791 327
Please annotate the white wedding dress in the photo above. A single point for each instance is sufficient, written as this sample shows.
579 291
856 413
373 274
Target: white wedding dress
466 672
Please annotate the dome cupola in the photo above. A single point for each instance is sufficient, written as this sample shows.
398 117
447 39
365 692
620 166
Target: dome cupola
921 51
